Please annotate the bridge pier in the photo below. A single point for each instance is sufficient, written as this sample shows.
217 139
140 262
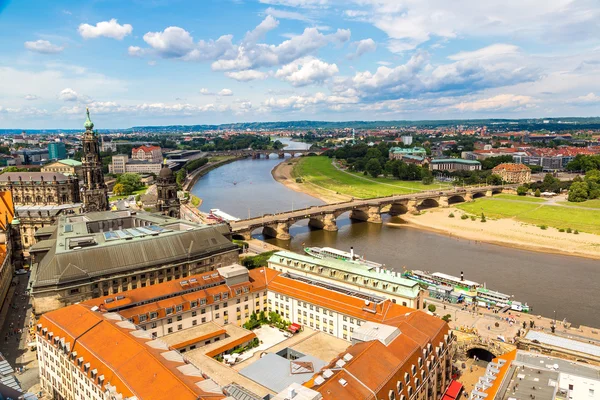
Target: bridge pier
327 222
443 201
412 207
279 230
468 196
247 235
488 193
281 155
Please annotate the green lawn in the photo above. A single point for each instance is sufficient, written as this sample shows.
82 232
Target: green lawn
141 191
537 214
319 171
520 198
589 203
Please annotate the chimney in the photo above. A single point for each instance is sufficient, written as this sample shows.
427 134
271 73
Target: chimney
462 276
291 393
352 253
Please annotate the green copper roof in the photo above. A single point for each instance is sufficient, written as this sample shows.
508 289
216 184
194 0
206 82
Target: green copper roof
70 162
89 125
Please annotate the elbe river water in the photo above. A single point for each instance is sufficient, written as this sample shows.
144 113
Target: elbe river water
568 285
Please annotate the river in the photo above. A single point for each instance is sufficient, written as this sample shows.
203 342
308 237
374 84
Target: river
548 282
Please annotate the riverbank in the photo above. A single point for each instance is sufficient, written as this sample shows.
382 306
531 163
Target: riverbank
284 174
507 232
504 232
205 169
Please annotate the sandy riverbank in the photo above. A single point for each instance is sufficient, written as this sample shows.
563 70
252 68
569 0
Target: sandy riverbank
504 232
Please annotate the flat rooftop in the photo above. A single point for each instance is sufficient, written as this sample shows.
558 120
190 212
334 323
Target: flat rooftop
192 335
565 343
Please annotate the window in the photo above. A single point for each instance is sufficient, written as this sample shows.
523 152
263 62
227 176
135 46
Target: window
143 318
399 386
179 308
194 323
169 310
179 318
179 327
194 313
170 330
392 395
170 321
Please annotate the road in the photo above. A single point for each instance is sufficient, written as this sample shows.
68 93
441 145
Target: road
15 334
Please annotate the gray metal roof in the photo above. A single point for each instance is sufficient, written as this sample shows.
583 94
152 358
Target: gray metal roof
275 372
564 343
175 241
33 176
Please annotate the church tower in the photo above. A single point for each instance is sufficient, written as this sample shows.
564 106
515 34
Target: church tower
94 191
166 187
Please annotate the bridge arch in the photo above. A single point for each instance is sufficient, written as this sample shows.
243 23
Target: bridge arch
478 195
497 191
456 199
398 209
428 203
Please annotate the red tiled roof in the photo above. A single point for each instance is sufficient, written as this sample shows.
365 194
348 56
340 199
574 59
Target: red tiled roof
145 149
126 362
511 167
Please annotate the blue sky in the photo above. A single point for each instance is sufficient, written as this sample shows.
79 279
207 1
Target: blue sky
159 62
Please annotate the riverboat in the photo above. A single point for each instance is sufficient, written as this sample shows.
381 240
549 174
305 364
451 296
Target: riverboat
220 215
324 253
462 290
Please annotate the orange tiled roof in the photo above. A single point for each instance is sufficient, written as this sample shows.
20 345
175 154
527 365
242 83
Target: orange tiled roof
7 209
126 362
509 357
145 149
228 346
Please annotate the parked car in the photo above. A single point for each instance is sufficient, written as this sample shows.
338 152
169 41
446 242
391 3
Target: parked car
21 272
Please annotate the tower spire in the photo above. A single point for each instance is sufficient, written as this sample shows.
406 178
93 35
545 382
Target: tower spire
89 125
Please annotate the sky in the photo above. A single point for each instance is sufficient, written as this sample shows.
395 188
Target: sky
172 62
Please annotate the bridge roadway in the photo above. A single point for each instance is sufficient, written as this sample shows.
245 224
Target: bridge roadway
258 153
324 217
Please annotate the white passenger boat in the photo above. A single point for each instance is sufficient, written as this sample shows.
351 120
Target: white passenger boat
335 254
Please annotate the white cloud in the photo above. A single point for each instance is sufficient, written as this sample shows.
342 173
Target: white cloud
246 75
110 29
288 14
301 102
306 71
588 99
68 94
135 51
249 54
30 97
494 50
43 46
386 63
362 47
144 109
298 3
225 92
501 102
409 23
263 55
206 92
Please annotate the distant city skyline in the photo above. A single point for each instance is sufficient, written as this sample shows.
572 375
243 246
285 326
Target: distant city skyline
163 62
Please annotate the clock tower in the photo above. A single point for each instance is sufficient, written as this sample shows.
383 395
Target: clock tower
94 191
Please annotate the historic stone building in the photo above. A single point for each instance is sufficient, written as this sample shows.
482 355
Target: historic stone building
66 167
513 173
97 254
94 191
166 187
40 188
39 197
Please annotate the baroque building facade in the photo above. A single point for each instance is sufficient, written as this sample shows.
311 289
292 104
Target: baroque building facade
94 190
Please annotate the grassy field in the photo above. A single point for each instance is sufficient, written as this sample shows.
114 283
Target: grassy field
537 214
141 191
320 172
519 198
589 203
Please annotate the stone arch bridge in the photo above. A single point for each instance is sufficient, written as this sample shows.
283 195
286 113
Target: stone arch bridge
324 217
255 154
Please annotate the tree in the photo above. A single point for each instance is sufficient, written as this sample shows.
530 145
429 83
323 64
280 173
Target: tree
119 189
522 190
495 179
180 176
427 176
537 193
578 192
432 308
447 318
130 181
373 167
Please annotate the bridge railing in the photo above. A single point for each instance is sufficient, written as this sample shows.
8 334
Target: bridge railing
359 202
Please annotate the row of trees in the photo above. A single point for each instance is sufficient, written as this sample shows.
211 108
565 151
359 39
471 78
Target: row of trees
587 188
584 163
237 142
